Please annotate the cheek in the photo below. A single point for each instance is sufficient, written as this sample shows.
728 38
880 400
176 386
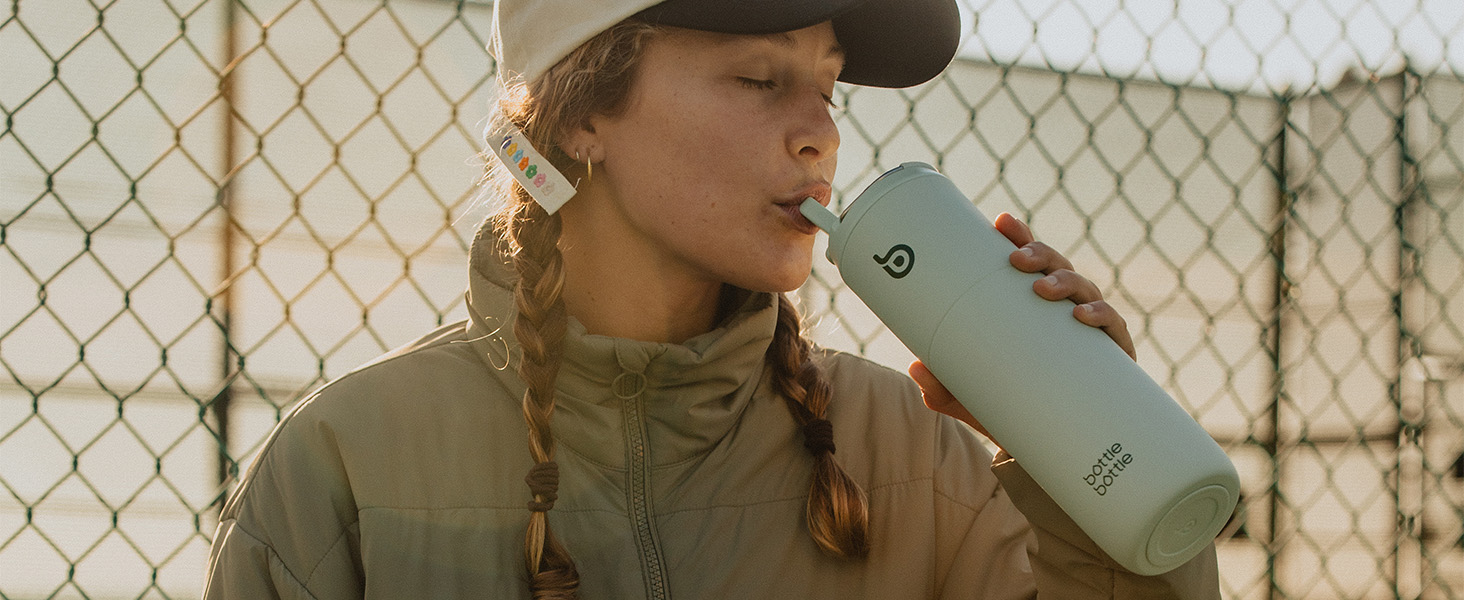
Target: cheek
688 160
694 129
674 169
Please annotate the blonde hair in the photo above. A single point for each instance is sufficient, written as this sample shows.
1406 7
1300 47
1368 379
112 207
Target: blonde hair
596 79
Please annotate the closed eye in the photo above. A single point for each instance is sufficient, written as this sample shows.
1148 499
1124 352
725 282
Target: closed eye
829 100
768 84
757 84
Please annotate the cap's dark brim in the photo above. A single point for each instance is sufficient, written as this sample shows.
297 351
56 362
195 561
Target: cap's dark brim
887 43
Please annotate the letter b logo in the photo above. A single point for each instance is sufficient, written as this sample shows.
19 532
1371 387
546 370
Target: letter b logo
898 261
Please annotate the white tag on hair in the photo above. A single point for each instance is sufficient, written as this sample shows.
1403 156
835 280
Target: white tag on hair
544 182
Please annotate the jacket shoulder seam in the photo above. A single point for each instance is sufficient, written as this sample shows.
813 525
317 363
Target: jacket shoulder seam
389 357
393 356
902 482
238 526
339 539
954 500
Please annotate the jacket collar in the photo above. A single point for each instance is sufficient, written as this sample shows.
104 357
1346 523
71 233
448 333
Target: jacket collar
693 393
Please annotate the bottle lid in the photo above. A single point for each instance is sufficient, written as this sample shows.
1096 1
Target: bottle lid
855 210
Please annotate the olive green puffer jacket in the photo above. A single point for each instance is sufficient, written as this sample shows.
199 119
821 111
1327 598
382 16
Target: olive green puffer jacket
682 475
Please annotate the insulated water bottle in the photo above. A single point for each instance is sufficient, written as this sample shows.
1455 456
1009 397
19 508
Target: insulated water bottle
1120 456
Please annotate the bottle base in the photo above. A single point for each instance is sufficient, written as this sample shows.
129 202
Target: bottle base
1188 526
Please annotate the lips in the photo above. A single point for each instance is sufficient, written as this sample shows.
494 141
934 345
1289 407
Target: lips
821 192
800 222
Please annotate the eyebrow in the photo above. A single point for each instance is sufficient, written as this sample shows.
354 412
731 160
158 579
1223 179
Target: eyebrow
785 39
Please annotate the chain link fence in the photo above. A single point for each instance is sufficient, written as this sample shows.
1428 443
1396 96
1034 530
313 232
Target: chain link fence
210 207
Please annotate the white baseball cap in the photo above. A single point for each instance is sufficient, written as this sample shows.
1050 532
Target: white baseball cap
887 43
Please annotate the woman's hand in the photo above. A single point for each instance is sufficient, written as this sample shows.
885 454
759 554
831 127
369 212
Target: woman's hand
1061 283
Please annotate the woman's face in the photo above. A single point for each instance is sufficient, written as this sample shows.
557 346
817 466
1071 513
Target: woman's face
722 138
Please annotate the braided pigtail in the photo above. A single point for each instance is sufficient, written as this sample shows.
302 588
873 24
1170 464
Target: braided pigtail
540 328
594 79
838 510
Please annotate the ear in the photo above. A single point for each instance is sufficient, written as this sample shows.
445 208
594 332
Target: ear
583 143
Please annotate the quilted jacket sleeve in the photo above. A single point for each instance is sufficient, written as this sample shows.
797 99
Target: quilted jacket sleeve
289 530
1040 551
1067 562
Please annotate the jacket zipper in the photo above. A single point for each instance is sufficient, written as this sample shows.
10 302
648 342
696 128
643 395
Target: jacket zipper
638 492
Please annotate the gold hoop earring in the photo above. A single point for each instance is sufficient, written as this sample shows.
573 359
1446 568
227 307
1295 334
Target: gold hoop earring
589 167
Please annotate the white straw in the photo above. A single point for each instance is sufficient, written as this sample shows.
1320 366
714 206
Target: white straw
824 218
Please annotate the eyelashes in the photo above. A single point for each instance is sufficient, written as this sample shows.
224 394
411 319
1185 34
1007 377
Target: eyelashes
757 84
829 100
753 83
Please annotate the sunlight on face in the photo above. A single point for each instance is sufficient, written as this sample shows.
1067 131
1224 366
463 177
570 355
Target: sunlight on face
722 137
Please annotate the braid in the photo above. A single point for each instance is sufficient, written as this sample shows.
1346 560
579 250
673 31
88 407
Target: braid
838 511
593 79
540 328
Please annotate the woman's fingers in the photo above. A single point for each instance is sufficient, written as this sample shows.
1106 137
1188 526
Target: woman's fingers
1031 256
938 398
1064 284
1102 315
1014 229
1037 257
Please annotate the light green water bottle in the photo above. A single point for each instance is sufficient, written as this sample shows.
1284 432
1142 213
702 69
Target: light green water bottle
1115 451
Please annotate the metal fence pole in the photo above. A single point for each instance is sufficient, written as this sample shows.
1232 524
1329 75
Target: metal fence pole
223 402
1275 338
1408 468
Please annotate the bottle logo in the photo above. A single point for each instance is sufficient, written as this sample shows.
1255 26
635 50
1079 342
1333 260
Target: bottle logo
1111 463
898 261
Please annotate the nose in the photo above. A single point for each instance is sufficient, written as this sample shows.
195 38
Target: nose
813 136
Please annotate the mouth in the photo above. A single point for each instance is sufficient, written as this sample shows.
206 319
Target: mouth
789 206
797 220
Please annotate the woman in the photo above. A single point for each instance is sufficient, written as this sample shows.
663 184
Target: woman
637 343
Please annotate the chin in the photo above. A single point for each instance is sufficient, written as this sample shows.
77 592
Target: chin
785 274
777 283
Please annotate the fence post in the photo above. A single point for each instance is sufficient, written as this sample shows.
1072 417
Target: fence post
224 200
1407 455
1275 342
